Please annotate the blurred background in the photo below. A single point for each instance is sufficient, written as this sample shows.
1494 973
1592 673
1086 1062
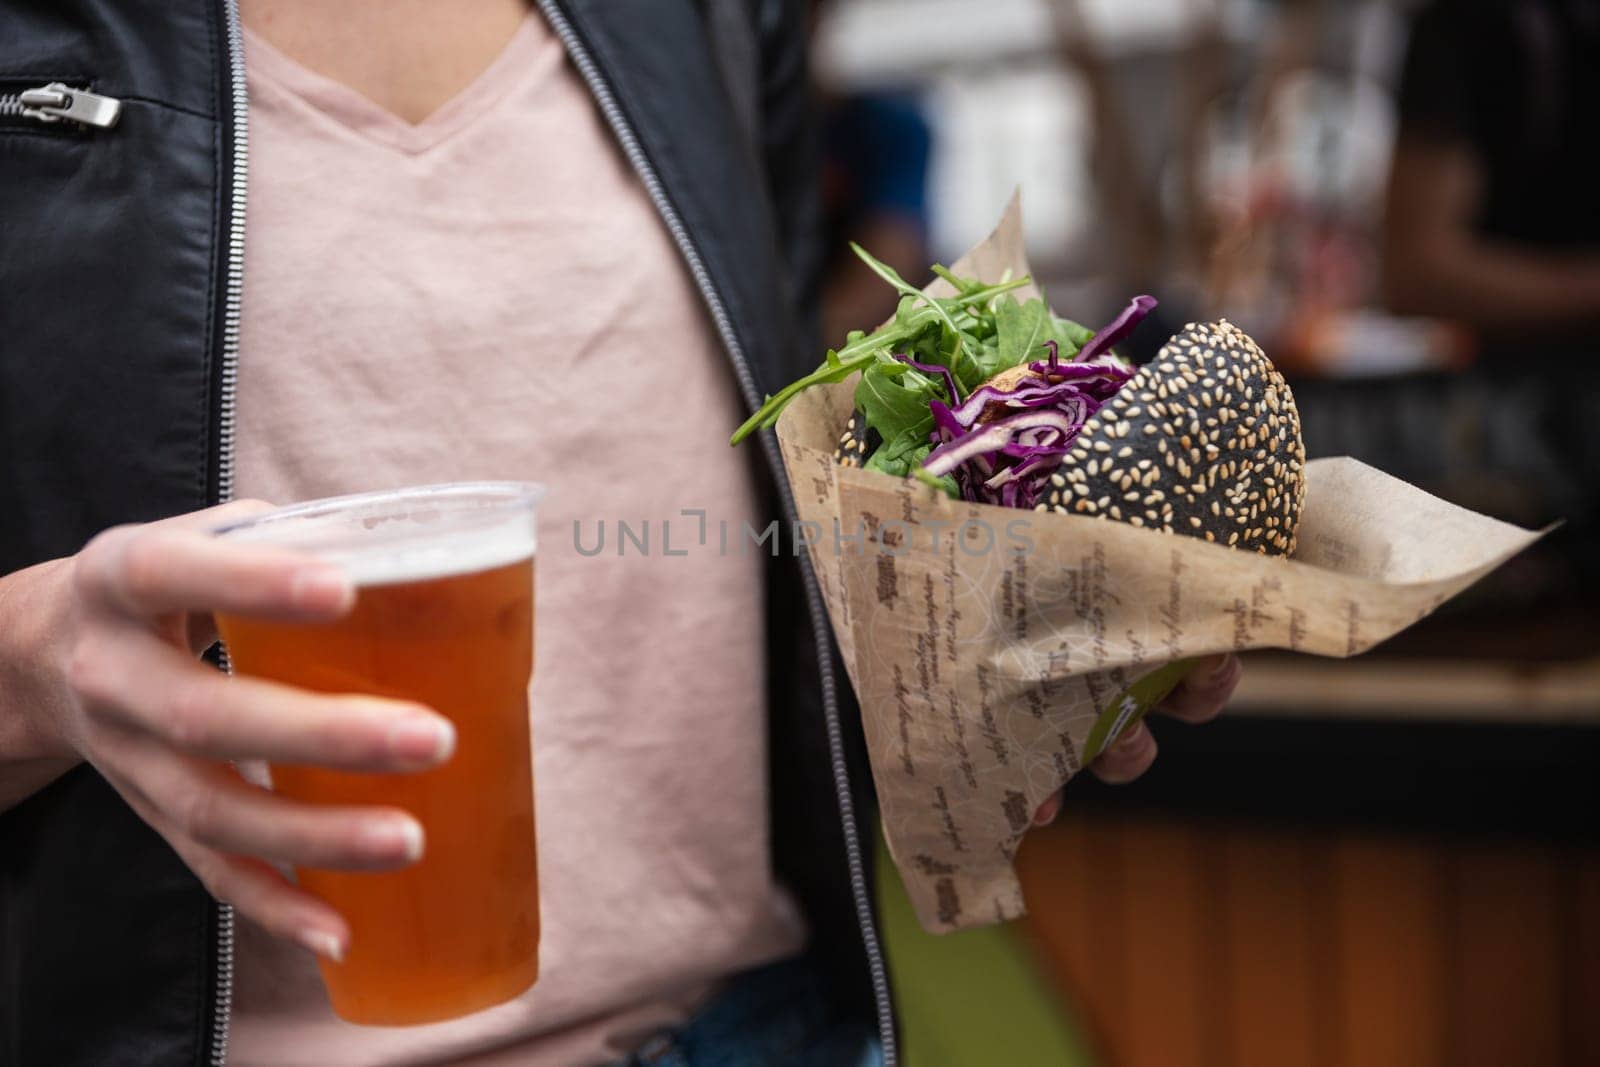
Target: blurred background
1390 860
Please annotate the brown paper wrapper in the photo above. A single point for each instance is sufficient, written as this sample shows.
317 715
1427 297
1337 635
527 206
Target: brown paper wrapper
994 652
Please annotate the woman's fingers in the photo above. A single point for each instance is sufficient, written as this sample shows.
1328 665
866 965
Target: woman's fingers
212 806
142 682
151 571
282 908
1205 690
251 885
1199 698
1128 758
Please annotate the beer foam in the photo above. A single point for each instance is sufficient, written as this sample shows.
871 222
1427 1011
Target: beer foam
417 561
382 539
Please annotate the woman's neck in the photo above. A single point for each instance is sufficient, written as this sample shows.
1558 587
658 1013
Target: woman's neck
408 56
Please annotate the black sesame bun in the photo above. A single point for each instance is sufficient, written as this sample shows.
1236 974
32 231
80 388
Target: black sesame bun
857 442
1204 441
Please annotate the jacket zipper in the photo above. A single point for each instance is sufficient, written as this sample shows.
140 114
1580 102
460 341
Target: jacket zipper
227 387
631 148
57 103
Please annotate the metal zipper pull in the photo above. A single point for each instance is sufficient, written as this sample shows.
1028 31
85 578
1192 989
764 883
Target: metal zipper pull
55 102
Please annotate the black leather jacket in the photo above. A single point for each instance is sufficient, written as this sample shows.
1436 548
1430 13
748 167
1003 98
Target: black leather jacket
121 254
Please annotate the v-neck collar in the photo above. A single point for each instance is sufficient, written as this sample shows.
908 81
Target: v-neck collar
375 122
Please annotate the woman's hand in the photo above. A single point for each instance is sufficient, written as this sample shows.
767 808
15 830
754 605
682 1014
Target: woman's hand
1199 698
113 678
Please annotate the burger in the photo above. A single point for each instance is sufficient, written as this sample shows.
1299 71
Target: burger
998 401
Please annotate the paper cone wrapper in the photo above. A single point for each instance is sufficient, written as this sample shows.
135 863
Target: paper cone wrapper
994 651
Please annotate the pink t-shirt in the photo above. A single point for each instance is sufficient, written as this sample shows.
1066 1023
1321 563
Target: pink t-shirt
490 294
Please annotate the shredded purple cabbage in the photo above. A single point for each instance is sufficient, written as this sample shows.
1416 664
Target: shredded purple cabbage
1119 327
1001 445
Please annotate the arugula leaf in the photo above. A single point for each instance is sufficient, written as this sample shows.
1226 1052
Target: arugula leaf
954 331
962 285
895 398
1020 328
979 363
901 454
1069 336
890 275
944 483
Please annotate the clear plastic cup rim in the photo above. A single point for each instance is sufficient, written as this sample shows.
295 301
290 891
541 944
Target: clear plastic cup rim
405 534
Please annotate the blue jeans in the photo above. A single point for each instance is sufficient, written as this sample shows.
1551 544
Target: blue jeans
776 1015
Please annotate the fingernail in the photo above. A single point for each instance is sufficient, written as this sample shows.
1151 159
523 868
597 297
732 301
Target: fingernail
322 585
1047 812
1132 737
423 739
387 835
323 944
1229 664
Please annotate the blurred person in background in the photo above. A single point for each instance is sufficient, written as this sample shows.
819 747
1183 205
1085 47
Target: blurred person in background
1492 217
1492 221
876 147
